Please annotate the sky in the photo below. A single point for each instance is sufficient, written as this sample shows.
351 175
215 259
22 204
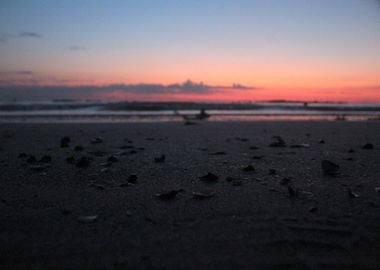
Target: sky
194 50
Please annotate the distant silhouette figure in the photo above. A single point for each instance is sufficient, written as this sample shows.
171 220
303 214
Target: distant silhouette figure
202 115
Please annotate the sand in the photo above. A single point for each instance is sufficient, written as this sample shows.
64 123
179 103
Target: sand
284 212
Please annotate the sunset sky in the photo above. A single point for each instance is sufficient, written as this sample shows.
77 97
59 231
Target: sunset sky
242 50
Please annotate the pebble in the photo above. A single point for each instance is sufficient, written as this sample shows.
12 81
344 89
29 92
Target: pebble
65 141
329 168
209 177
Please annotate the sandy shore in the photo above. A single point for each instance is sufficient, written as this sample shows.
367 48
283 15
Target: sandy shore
90 201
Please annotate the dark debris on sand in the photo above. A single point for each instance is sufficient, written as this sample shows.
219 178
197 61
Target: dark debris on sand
368 146
112 159
285 181
329 168
160 159
168 194
70 160
219 153
22 155
45 159
78 148
39 167
65 141
278 142
300 145
132 179
352 194
31 159
96 140
203 194
209 177
83 162
248 168
235 181
292 192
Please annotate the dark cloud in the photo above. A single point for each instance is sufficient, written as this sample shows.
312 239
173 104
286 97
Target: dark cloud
30 35
185 87
16 72
38 92
77 48
5 36
20 77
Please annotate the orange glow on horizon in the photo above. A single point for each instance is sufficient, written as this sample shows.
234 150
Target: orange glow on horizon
275 85
263 94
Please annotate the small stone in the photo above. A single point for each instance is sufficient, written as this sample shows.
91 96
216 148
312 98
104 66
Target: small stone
166 195
31 159
45 159
160 159
209 177
248 168
105 164
104 170
368 146
242 139
112 159
88 219
285 181
279 142
100 187
301 145
65 141
97 140
83 162
98 153
329 168
203 194
22 155
312 209
272 172
230 179
293 193
70 160
38 168
64 211
237 183
78 148
352 194
132 179
126 147
321 142
220 153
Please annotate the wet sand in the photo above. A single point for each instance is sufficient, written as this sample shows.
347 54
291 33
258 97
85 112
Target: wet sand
175 196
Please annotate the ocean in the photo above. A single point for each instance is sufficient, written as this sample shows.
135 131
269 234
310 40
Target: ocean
98 112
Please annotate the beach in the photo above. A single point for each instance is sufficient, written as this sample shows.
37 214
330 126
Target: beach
207 195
